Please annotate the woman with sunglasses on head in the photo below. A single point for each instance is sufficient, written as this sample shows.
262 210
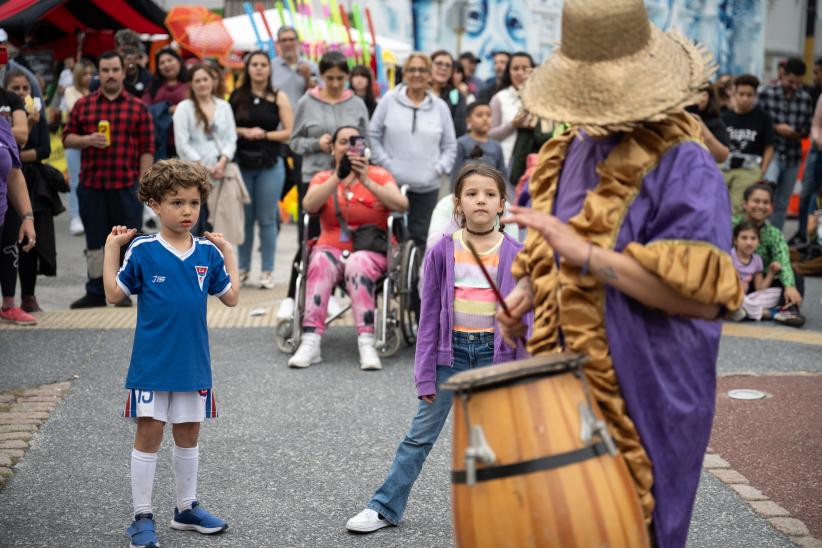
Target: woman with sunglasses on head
442 84
412 136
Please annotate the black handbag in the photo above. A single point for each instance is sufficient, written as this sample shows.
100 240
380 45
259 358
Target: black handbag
363 238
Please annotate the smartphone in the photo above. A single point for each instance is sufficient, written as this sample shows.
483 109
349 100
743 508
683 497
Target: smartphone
357 145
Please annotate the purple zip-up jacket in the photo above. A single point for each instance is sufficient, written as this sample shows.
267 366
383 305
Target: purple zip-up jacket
437 312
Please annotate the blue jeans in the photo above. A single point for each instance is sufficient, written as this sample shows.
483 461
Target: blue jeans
73 163
264 187
810 187
470 350
784 175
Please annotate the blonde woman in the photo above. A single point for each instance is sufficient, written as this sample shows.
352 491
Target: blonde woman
82 74
412 136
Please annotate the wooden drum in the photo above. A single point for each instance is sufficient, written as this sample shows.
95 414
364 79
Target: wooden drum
534 464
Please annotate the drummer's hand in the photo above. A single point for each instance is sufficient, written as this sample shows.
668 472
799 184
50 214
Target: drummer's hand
519 302
560 236
429 399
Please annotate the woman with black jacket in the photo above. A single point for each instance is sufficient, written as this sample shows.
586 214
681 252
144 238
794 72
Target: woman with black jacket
442 84
43 184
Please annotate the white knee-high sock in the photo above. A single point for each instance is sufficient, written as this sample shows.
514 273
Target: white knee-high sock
186 462
143 466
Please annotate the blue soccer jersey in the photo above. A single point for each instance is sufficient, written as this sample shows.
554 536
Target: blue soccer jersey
170 349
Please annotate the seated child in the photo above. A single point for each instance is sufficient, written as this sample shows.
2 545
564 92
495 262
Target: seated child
758 205
169 379
761 299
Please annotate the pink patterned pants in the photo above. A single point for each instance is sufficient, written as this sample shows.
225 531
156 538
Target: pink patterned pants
326 268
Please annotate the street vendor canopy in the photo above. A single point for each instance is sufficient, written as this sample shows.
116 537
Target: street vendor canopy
54 24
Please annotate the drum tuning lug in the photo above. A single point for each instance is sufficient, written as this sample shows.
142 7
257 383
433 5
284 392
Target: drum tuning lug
591 427
478 450
587 421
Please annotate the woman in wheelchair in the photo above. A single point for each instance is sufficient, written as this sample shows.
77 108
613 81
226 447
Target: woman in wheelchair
353 202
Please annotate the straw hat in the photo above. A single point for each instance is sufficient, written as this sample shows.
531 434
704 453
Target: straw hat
614 69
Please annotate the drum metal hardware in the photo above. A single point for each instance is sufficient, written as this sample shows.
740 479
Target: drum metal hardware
478 449
589 425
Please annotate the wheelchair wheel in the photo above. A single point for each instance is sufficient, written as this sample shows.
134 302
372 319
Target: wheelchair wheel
391 328
284 336
410 260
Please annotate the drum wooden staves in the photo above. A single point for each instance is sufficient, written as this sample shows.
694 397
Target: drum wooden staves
533 464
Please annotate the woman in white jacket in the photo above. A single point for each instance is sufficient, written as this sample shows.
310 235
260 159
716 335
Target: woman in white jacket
204 129
412 136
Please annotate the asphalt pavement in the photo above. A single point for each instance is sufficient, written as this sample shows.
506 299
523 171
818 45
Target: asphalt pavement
294 454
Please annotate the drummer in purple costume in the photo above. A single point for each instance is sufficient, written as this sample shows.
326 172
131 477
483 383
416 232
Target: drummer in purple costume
626 259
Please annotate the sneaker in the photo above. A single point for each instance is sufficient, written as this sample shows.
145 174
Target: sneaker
29 304
789 315
17 316
308 353
243 277
142 532
369 359
267 280
76 227
738 315
367 521
198 519
89 301
286 310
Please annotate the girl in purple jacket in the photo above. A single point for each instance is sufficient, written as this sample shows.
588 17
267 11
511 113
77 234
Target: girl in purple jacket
457 330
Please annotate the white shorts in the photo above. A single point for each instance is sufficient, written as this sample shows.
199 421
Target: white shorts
173 407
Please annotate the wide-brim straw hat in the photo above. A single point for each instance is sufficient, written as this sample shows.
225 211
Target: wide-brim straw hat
614 69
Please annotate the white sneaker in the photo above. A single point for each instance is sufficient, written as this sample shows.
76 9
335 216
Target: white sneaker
333 309
369 359
76 226
267 280
308 353
366 521
286 310
243 277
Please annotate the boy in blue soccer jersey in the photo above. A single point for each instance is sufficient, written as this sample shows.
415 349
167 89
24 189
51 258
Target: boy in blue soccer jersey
169 379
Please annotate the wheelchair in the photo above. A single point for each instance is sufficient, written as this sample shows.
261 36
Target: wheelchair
395 318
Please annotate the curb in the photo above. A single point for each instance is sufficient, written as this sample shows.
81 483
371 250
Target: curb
22 412
778 517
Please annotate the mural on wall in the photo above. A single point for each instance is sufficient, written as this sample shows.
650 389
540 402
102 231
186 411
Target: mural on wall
733 30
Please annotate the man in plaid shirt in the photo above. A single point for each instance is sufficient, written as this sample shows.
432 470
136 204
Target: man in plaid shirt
109 173
790 108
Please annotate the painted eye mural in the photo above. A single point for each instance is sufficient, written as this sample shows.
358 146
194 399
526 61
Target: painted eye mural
732 30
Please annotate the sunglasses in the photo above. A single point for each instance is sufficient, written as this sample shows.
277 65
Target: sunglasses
476 153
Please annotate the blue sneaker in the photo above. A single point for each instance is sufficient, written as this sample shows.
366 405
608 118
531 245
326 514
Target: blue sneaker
198 519
142 532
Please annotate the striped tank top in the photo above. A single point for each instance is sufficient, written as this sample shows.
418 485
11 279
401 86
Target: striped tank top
474 302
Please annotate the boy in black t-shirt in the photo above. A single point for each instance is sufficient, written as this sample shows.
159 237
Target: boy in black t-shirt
751 132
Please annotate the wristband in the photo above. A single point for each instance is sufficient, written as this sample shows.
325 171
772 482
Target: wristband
27 215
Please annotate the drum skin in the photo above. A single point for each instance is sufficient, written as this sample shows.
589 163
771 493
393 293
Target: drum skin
589 503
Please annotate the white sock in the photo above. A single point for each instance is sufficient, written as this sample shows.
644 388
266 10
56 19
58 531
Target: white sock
186 461
142 480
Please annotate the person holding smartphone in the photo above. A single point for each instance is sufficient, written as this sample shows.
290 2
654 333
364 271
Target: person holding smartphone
347 198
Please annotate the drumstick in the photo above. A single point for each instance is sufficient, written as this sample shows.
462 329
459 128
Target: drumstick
485 273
